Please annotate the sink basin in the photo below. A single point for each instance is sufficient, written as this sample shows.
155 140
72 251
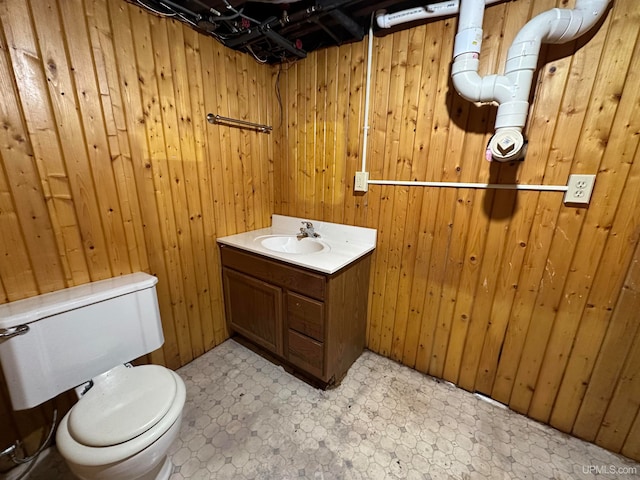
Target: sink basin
338 245
292 244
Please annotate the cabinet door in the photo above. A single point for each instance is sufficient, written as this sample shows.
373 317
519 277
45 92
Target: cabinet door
254 309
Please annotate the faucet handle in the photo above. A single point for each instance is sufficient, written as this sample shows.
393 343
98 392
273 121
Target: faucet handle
307 224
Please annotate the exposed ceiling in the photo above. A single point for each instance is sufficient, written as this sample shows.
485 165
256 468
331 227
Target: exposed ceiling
275 31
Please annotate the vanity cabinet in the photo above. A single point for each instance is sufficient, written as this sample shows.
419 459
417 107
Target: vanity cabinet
311 322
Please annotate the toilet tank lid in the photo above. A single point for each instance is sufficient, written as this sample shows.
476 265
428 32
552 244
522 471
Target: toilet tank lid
36 308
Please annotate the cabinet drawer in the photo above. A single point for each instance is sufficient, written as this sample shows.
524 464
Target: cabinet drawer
305 316
292 278
306 353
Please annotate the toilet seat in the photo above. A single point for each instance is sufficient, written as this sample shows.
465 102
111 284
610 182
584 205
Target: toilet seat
122 404
80 454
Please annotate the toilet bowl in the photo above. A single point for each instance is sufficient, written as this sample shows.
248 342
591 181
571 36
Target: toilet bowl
122 428
127 417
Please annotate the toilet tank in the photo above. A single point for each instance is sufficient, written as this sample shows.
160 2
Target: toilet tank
76 334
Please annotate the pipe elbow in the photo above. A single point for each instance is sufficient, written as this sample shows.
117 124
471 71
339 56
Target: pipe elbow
567 25
465 78
585 15
382 19
468 85
561 25
538 29
471 86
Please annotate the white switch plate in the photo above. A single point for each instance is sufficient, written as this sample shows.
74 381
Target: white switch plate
362 182
579 189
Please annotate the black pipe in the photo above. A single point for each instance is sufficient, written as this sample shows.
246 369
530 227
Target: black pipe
284 43
175 6
352 27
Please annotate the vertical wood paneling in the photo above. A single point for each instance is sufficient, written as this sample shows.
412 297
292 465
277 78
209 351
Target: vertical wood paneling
413 112
619 338
13 248
353 204
126 87
88 99
237 167
562 150
311 134
510 294
105 63
64 105
193 119
468 208
433 74
378 201
341 175
158 157
551 85
108 165
34 211
434 228
617 250
320 155
389 237
599 138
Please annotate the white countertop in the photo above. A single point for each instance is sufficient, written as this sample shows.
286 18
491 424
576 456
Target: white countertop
343 244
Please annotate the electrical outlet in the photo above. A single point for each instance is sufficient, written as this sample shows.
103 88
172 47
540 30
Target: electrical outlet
362 182
579 189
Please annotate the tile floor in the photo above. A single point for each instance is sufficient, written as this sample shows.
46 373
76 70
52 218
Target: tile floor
245 418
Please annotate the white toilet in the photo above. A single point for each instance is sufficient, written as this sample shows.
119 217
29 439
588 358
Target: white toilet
127 417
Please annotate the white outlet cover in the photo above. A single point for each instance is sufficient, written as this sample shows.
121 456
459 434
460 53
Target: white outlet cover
361 183
579 189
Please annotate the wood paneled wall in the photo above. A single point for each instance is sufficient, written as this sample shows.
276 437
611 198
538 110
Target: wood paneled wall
108 165
510 294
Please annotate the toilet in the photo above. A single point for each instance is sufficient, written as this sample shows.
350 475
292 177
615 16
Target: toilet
83 337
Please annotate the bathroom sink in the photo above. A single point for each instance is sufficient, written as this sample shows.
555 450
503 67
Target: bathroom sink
292 244
336 247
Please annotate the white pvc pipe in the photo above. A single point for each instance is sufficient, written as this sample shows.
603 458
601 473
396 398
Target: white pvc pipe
484 186
511 90
435 10
367 96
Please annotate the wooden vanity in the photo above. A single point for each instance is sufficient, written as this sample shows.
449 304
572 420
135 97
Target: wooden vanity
310 322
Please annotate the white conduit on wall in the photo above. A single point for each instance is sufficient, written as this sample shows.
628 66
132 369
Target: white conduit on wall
367 97
483 186
510 91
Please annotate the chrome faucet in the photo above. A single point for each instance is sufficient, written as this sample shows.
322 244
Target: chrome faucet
307 231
